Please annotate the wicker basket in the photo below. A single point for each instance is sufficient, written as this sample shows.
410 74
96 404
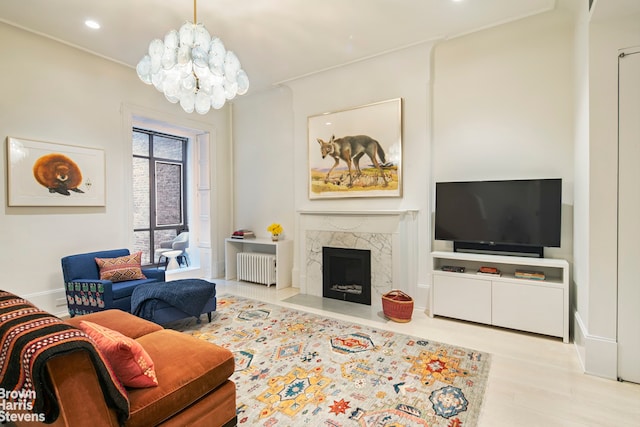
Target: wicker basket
397 306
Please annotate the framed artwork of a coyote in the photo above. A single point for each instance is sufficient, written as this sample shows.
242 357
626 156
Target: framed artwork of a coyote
356 152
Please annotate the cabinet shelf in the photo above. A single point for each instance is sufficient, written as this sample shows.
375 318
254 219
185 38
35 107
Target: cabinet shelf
539 306
510 277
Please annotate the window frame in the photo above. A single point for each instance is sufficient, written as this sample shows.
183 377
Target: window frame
152 160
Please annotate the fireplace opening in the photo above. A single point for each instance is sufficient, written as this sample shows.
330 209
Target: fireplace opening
346 274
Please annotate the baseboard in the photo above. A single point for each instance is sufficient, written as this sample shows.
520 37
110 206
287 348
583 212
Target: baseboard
295 278
54 302
579 338
422 298
598 355
183 273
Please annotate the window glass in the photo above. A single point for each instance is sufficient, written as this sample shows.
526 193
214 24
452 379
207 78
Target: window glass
160 236
140 193
141 243
140 144
168 193
167 148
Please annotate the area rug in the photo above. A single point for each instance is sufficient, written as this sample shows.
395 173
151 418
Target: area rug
295 368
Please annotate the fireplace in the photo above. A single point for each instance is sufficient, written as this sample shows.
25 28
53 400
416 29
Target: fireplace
346 274
392 236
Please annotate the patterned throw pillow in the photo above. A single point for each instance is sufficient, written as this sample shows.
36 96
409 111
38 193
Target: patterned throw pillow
130 362
122 268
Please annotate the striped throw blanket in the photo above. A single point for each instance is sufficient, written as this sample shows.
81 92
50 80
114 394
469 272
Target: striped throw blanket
29 337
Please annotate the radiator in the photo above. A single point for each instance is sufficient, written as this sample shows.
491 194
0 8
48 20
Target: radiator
257 268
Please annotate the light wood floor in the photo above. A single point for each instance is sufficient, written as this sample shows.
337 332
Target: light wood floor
533 381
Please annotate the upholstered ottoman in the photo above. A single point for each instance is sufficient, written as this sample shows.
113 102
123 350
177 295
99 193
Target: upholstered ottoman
165 302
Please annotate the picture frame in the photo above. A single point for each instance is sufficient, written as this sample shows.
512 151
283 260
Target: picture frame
51 174
370 136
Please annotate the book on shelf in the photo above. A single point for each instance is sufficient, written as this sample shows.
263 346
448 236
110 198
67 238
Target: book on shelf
243 234
480 273
452 268
529 274
489 271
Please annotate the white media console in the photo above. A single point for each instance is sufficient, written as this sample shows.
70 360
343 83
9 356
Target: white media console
538 306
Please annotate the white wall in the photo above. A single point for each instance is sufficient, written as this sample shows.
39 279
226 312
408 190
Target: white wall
402 74
263 156
56 93
503 107
596 329
581 241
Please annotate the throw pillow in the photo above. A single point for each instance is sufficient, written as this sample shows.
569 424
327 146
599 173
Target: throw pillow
130 362
122 268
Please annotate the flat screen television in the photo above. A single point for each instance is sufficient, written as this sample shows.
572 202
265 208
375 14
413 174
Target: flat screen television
518 217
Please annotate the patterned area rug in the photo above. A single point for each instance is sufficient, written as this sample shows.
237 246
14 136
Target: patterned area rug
299 369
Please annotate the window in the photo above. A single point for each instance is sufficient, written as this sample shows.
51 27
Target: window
159 182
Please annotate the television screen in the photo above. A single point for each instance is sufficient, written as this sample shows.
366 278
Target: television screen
514 212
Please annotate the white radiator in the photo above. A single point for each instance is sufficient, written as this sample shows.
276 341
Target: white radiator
257 267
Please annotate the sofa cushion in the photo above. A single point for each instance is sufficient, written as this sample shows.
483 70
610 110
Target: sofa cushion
122 268
118 320
180 384
131 363
125 289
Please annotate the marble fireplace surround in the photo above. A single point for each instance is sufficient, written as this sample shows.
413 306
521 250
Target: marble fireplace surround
388 234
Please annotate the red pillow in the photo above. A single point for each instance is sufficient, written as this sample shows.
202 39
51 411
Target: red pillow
130 362
122 268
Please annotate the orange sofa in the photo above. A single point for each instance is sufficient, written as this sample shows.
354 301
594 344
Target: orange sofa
193 380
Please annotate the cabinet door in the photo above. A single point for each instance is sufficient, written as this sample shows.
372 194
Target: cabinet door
460 297
529 308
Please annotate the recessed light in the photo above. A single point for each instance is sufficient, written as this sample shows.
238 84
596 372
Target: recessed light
92 24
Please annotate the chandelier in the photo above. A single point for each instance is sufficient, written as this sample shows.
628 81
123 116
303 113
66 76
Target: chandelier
192 68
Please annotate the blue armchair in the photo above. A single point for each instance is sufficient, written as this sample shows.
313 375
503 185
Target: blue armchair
86 293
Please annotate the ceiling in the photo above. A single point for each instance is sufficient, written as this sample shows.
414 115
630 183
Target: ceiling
614 9
276 40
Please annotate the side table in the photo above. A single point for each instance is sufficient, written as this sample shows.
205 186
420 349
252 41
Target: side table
172 257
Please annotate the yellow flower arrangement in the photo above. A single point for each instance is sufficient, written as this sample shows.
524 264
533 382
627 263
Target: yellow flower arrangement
275 228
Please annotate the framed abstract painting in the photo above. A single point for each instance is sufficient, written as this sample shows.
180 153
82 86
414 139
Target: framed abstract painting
356 152
50 174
